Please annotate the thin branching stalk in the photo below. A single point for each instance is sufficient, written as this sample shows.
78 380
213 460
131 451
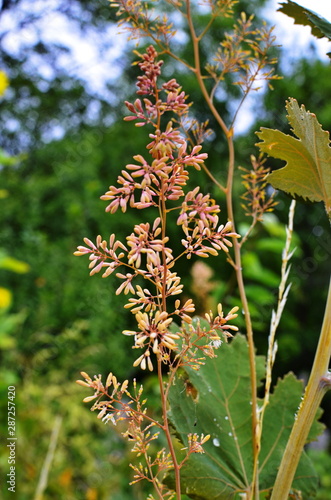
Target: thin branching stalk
238 267
319 382
249 230
248 322
153 479
247 91
43 478
215 181
276 315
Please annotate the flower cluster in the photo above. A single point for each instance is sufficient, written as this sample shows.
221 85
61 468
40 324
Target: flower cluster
146 253
199 222
165 143
114 403
197 207
100 252
116 407
206 336
246 55
140 19
146 111
142 241
151 69
220 322
196 442
257 201
164 176
154 334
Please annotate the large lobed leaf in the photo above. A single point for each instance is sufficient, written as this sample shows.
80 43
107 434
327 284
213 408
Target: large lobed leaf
320 27
307 172
220 405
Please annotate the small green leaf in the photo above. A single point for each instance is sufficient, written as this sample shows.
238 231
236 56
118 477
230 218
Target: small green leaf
320 27
270 245
216 400
254 270
12 264
8 325
307 172
260 296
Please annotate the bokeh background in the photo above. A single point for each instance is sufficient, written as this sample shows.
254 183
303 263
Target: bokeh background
64 74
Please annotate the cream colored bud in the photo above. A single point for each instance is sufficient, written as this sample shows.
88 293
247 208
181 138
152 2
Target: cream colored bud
109 380
124 385
205 439
81 382
90 398
102 412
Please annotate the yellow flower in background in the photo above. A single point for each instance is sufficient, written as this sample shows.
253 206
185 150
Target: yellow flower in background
4 82
5 298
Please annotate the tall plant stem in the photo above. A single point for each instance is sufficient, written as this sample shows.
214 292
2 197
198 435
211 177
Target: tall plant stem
248 323
167 430
228 132
319 383
163 390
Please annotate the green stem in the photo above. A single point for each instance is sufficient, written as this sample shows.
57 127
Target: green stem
167 430
228 132
319 382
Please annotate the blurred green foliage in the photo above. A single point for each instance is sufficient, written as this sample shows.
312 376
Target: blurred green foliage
61 321
322 464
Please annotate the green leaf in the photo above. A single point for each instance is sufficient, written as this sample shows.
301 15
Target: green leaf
8 325
307 172
260 296
278 421
320 27
270 245
254 270
223 410
12 264
219 404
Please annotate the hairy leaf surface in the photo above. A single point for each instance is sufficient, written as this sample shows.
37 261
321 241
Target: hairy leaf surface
307 172
220 406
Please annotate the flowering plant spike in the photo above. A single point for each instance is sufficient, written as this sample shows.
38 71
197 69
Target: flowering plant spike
153 183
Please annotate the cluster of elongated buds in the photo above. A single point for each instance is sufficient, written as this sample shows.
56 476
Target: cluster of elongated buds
116 407
156 182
